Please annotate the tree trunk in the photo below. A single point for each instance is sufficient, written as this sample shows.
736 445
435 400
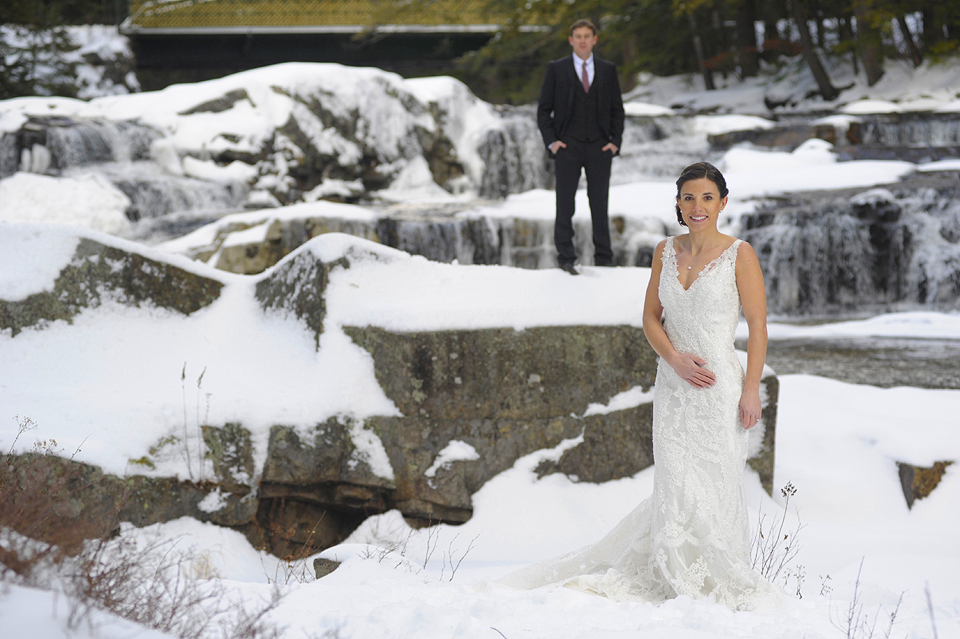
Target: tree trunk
747 39
846 33
827 89
869 39
931 30
908 39
771 40
721 31
698 48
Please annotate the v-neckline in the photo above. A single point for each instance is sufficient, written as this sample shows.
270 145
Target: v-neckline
703 269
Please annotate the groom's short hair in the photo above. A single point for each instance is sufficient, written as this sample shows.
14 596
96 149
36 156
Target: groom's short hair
583 22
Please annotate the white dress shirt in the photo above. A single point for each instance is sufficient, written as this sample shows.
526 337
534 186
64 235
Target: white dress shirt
578 65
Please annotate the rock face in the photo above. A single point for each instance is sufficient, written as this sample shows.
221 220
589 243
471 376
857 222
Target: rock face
98 273
503 373
297 288
82 495
471 403
503 393
918 481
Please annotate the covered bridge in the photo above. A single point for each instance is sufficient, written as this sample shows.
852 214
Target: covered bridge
191 40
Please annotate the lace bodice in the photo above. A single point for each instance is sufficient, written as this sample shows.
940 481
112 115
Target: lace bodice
702 319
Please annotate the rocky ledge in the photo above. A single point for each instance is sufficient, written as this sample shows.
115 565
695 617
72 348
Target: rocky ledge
469 404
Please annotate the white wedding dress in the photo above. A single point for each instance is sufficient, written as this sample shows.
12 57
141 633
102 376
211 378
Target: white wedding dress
691 536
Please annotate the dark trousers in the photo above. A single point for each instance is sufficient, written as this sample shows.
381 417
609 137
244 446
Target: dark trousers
569 162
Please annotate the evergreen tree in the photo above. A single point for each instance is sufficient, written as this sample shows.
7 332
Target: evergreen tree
33 47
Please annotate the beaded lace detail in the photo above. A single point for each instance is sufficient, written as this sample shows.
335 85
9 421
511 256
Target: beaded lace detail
691 536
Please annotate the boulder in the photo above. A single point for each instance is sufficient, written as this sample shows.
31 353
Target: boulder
279 238
231 451
66 495
918 481
536 373
323 567
788 136
98 273
296 288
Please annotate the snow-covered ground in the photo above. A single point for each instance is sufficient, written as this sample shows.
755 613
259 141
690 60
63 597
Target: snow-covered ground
932 87
840 451
87 382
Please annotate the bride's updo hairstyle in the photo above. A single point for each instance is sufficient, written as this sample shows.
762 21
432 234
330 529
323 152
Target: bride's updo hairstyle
695 172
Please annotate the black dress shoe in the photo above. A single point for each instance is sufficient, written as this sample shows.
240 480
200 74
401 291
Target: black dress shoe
569 268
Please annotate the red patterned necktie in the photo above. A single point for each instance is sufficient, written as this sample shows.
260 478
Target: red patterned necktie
586 79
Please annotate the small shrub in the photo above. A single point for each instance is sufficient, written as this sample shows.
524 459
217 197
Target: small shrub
148 582
773 548
38 493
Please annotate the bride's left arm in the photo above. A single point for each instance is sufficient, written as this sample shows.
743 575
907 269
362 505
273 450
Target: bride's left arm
753 298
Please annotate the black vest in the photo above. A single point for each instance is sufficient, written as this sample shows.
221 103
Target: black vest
584 124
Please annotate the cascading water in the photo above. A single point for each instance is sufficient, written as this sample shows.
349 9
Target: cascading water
121 152
71 142
917 137
438 240
514 157
9 159
659 146
884 249
822 253
155 193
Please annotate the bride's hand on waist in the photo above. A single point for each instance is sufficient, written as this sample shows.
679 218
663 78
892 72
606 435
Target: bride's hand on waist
691 369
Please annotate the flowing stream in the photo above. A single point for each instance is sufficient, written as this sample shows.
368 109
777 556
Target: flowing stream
877 361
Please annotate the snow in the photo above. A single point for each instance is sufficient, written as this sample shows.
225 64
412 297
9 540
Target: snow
369 449
861 107
645 109
915 324
456 450
19 246
839 451
93 202
30 612
213 502
931 87
404 293
622 401
941 165
717 124
86 382
812 165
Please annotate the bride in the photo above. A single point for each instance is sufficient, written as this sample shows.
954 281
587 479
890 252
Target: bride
691 536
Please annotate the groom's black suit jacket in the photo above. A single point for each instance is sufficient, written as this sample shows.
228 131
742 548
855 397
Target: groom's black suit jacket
556 99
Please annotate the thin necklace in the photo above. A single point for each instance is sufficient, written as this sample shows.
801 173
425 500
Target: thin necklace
691 263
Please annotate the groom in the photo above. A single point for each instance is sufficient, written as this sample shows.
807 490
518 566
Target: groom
580 115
